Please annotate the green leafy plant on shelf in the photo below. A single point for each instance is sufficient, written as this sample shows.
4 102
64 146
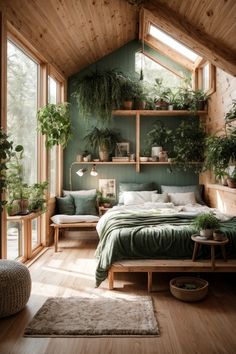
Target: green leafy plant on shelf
37 196
159 135
55 123
103 141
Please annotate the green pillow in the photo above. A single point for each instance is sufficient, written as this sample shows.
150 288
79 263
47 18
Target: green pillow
65 205
85 204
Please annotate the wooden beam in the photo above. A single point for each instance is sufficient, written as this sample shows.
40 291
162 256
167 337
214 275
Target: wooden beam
180 29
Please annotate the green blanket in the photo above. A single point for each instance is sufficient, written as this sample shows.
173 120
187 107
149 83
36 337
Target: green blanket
147 235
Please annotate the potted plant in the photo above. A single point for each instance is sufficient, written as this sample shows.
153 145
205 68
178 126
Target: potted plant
231 179
128 92
140 95
37 196
98 93
54 122
158 137
171 99
103 140
206 223
160 94
198 100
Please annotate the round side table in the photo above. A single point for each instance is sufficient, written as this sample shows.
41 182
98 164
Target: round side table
198 241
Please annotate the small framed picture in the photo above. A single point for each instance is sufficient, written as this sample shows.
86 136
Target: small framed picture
108 188
122 149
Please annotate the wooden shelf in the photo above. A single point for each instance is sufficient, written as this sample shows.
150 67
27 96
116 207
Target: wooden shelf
128 113
221 188
105 163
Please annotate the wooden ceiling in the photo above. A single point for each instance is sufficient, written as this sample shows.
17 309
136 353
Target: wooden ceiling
72 34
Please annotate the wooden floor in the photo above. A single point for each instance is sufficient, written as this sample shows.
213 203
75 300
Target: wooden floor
205 327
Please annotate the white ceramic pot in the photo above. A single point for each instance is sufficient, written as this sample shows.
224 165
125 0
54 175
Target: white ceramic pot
156 150
208 233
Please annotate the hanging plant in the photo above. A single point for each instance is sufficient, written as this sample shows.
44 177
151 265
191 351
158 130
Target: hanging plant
55 122
98 93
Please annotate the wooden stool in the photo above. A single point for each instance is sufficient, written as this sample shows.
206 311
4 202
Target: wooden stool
199 241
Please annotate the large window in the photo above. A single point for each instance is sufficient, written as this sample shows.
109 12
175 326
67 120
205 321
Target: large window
22 104
53 94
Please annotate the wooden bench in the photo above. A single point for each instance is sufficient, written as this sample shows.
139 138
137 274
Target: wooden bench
150 266
58 227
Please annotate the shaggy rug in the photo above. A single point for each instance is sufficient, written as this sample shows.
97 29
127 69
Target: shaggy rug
85 317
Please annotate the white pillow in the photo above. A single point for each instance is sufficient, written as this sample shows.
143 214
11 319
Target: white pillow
160 198
137 197
182 198
80 192
154 205
67 219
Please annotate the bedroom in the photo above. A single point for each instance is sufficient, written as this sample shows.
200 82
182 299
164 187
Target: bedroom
59 51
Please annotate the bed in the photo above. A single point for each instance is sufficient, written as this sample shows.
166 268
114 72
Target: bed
153 230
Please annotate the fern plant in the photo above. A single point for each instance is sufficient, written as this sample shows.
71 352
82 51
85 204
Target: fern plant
98 93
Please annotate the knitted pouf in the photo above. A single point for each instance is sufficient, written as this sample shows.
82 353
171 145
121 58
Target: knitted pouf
15 287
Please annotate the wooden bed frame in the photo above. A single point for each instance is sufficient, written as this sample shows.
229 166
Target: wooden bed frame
150 266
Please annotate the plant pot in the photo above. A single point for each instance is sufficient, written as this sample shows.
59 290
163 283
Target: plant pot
218 235
103 154
24 206
140 105
208 233
161 105
231 182
171 107
128 105
156 151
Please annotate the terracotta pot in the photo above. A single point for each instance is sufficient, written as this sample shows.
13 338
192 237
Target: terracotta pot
128 105
140 105
231 182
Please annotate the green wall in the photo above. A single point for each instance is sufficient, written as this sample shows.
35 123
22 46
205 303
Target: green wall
123 59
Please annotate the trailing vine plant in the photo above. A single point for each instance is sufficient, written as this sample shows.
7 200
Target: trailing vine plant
55 122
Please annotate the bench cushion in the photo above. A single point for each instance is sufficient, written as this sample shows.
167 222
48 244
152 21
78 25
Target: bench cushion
67 219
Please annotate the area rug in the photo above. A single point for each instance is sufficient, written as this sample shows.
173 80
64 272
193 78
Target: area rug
94 317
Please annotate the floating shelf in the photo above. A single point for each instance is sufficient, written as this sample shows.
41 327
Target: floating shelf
153 113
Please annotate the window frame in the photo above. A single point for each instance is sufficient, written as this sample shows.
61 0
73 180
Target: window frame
8 32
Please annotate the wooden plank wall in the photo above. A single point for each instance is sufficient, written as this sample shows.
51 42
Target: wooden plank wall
219 105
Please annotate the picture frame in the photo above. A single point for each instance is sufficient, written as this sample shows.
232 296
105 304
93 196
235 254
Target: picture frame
122 149
107 187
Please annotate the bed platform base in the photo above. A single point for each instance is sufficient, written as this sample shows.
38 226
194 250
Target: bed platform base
150 266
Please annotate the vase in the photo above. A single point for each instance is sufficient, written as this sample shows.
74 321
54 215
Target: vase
103 154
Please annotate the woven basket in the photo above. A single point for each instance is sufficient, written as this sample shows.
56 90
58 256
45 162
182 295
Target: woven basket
189 295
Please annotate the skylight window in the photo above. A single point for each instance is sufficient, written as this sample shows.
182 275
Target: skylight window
172 43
